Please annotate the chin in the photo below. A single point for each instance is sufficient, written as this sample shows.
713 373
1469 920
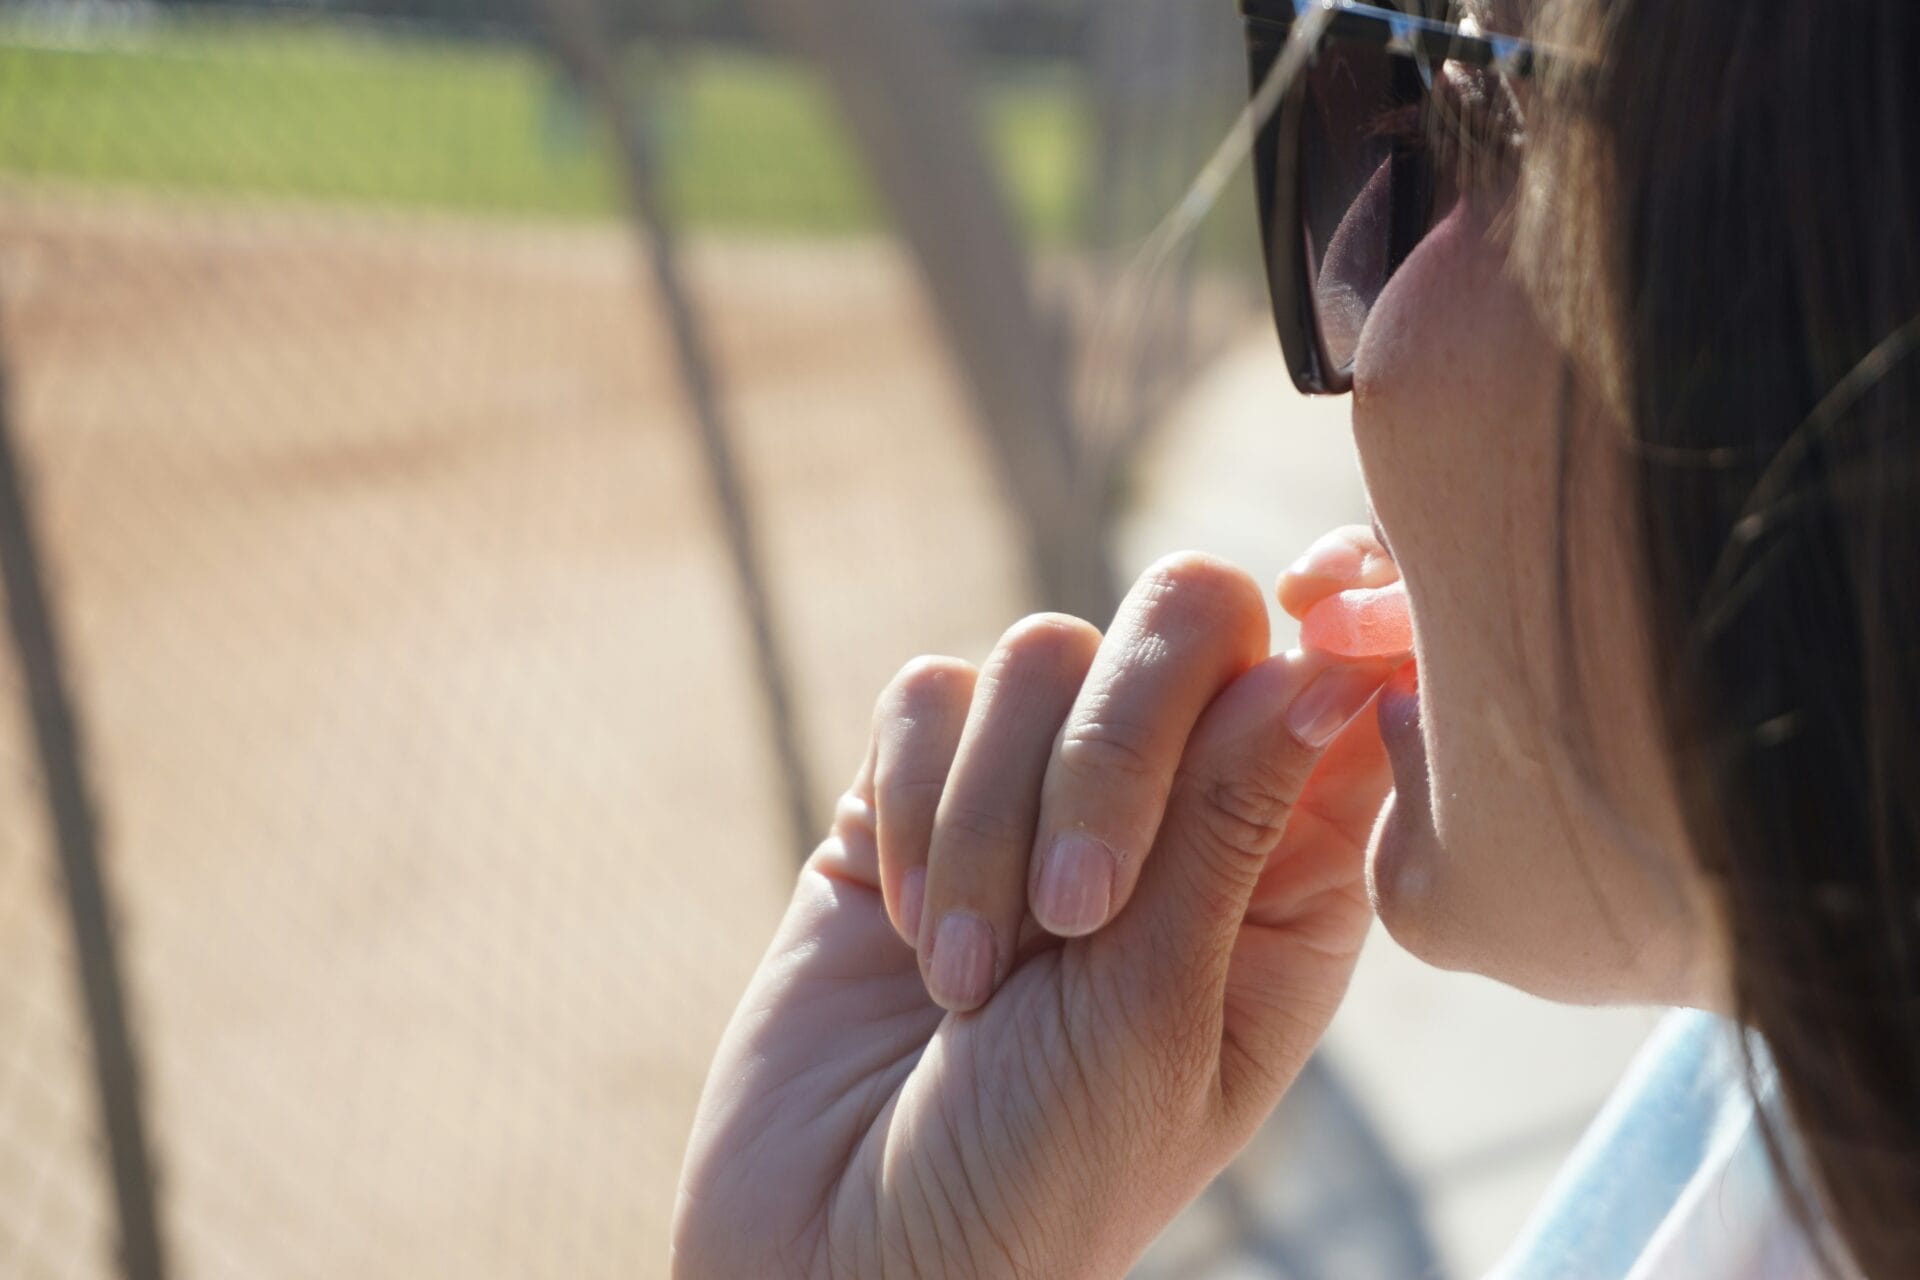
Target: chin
1404 856
1407 884
1476 910
1403 873
1409 887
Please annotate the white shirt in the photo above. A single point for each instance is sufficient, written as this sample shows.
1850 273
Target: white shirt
1671 1181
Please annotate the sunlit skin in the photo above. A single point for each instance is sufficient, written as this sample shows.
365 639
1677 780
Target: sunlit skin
868 1118
1498 853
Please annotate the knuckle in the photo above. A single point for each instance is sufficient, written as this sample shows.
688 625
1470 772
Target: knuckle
1113 749
852 816
1244 814
898 793
973 824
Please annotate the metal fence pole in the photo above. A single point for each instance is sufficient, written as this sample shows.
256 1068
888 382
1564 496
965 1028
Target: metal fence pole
76 833
904 98
579 38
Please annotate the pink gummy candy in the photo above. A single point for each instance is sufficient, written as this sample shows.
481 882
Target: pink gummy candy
1364 622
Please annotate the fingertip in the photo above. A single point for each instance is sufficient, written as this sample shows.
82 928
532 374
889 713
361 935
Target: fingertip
1262 697
1298 592
1218 594
1340 559
1331 700
959 971
928 682
1337 554
1073 889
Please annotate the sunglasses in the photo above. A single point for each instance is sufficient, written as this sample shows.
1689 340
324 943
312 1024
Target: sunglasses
1353 165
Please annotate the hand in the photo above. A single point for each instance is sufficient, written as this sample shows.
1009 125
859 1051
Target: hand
1053 1103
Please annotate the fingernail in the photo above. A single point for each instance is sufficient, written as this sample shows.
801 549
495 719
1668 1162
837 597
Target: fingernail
960 971
1332 556
1329 701
913 894
1076 885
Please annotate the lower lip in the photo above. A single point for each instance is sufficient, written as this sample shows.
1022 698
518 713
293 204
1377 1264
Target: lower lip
1398 711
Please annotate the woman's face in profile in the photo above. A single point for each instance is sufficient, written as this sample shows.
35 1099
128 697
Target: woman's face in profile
1497 853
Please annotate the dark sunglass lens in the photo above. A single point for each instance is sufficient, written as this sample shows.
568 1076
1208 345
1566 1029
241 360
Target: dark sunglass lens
1357 176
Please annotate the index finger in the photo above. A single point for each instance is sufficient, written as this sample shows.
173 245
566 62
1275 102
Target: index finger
1189 626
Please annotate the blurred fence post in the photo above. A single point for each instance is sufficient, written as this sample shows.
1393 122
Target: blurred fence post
904 99
582 43
1138 50
73 824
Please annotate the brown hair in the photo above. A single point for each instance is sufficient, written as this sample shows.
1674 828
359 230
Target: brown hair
1723 227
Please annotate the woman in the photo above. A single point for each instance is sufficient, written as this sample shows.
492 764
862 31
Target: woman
1627 315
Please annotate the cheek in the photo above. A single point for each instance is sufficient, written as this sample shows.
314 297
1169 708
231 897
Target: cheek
1454 396
1453 340
1456 417
1450 444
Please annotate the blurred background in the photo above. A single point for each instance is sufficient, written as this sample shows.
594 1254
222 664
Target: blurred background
468 467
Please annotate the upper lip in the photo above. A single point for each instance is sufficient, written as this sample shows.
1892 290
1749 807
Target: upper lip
1381 534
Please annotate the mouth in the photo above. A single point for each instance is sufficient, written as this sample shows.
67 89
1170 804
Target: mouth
1353 601
1347 593
1397 709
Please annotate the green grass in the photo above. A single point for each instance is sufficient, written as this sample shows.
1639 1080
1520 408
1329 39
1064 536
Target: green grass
311 111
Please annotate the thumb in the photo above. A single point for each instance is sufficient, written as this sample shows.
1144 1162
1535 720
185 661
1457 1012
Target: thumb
1244 768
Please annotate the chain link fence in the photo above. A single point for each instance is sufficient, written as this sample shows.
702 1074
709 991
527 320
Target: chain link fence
428 752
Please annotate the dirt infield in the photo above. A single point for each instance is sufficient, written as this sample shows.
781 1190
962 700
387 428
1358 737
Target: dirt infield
433 776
